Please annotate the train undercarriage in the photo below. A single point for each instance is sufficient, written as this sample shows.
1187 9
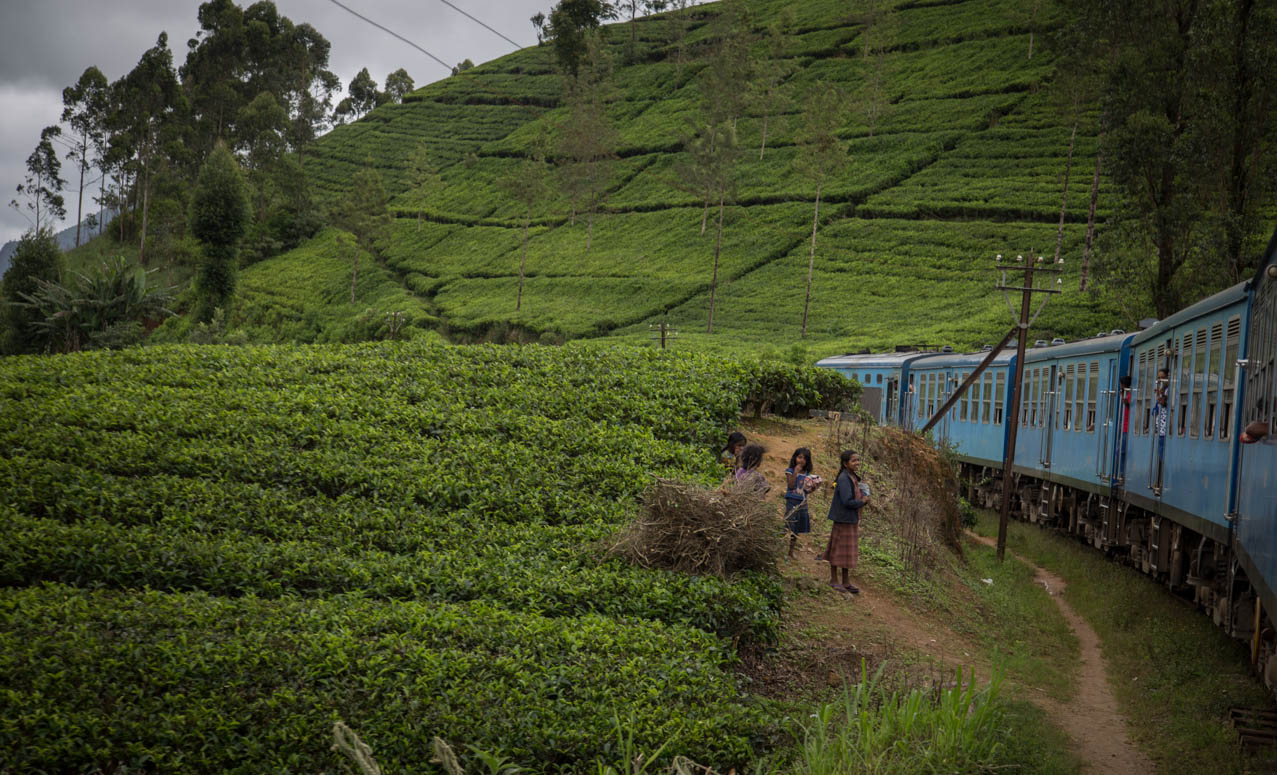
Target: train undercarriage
1196 568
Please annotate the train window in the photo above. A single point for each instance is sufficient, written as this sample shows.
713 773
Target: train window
986 414
1000 389
1232 341
1079 397
1044 386
1092 393
1067 409
1185 377
1059 392
1024 399
964 403
1199 382
1031 395
879 378
1211 386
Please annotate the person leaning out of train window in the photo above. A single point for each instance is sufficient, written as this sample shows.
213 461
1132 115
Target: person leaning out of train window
1161 420
1254 432
850 496
729 456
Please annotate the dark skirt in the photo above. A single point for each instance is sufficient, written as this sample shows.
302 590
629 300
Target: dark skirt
797 520
844 546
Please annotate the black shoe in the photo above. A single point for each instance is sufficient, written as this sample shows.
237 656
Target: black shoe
852 588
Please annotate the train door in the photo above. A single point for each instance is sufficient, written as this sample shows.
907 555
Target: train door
1110 428
1162 410
891 413
944 388
1051 415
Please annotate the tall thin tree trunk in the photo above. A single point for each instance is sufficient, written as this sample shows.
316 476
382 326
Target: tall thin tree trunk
1030 44
811 261
763 147
718 245
527 219
1090 222
589 230
1064 199
146 209
418 221
705 210
354 278
79 207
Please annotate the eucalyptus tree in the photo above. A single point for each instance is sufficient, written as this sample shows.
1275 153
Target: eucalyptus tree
585 141
1188 135
528 186
821 155
364 212
144 100
398 84
39 194
84 109
774 69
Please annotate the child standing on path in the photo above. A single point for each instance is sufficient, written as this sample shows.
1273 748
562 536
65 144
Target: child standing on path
799 480
844 511
729 456
748 474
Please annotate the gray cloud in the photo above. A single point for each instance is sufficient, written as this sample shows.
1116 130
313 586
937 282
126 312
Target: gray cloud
46 44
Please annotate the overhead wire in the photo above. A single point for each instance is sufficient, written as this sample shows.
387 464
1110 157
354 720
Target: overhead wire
383 28
515 43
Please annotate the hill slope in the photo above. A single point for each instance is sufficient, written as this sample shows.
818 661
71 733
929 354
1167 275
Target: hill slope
966 160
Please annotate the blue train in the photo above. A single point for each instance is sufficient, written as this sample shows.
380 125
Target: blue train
1159 447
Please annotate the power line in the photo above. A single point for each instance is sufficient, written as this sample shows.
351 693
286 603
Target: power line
516 44
392 32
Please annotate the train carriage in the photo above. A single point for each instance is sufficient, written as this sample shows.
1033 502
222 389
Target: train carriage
881 375
1255 493
1183 427
974 425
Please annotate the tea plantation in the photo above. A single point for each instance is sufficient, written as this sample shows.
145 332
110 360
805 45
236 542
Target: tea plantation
213 553
961 155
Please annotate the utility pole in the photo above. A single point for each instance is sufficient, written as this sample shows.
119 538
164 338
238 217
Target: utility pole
664 331
1027 289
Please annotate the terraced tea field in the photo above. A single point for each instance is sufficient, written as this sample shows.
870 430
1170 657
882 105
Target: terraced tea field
213 553
962 155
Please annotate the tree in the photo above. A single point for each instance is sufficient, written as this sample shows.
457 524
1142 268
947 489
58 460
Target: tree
527 185
822 154
775 69
36 260
219 218
586 141
84 108
463 66
1170 71
364 213
569 26
363 93
399 83
144 100
542 26
40 190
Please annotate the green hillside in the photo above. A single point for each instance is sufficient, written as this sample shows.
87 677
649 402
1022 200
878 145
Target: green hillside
967 159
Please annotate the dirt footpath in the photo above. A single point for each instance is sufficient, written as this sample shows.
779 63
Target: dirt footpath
834 633
1092 718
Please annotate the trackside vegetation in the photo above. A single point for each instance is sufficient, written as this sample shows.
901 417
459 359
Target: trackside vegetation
223 550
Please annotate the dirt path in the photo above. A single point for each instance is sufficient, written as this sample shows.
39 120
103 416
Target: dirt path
834 632
1092 718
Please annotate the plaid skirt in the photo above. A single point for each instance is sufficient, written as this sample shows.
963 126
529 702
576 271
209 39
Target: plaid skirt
844 546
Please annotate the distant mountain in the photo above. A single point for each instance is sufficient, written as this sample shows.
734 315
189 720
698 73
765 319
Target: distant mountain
65 238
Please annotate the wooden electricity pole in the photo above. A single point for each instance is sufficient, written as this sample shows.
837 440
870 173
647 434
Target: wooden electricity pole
1017 382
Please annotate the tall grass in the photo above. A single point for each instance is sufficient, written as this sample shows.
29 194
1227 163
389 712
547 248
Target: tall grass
871 730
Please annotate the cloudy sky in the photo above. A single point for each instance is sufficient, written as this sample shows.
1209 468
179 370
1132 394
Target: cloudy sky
46 44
